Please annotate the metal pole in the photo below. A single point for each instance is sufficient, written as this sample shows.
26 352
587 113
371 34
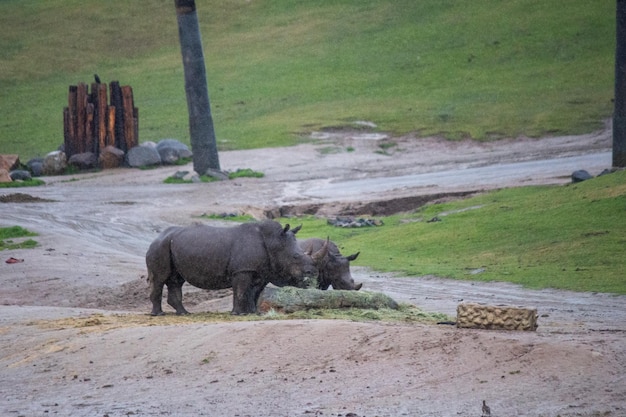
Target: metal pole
619 111
201 130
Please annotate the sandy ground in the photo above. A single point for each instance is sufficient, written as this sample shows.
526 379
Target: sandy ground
63 351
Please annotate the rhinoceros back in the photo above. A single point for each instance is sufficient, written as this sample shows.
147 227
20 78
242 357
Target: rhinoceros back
206 257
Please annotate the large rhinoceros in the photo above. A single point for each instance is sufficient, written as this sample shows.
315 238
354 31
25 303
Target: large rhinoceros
334 268
245 257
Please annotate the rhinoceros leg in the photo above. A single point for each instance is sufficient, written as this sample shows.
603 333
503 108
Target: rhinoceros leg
244 300
175 294
156 294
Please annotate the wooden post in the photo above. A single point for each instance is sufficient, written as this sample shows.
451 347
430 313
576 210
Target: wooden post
201 130
81 115
118 104
110 137
71 125
90 124
101 117
66 126
619 105
136 117
90 143
129 119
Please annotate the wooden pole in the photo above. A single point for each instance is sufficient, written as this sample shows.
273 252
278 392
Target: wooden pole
90 143
129 119
136 118
81 115
71 125
118 104
101 117
110 137
619 110
66 126
201 130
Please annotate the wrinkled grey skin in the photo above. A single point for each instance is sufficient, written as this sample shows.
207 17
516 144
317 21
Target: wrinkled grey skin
245 257
334 268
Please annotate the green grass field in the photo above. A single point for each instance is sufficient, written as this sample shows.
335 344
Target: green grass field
280 69
569 237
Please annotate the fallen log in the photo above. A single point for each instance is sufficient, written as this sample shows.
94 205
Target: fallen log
291 299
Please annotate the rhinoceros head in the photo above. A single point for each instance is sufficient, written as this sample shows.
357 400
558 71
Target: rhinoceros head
334 268
290 264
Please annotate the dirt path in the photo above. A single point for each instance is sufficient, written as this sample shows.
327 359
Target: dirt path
94 234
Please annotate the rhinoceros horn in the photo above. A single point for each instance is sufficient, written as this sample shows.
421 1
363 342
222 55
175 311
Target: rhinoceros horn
321 254
294 230
353 256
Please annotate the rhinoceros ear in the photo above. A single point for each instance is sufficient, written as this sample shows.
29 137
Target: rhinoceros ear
296 230
353 256
321 254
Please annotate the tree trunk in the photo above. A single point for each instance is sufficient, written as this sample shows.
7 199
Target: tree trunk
201 130
619 112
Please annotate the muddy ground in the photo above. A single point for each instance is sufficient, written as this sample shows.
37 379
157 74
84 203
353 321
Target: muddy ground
63 351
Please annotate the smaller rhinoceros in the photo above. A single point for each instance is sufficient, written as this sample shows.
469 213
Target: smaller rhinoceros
334 268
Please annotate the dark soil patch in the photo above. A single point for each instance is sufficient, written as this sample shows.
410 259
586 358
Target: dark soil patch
385 207
23 198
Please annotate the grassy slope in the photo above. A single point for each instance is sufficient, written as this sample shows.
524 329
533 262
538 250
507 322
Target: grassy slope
569 237
279 68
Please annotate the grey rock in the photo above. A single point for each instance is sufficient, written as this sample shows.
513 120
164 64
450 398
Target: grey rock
35 166
581 175
183 150
218 175
349 222
54 163
20 175
142 156
179 175
111 157
169 156
86 160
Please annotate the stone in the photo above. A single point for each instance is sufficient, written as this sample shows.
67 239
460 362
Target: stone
143 156
85 160
581 175
9 162
480 316
111 157
348 222
35 166
20 175
179 175
54 163
218 175
183 150
169 156
4 176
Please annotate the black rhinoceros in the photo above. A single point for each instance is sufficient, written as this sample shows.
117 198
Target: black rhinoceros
334 268
245 257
